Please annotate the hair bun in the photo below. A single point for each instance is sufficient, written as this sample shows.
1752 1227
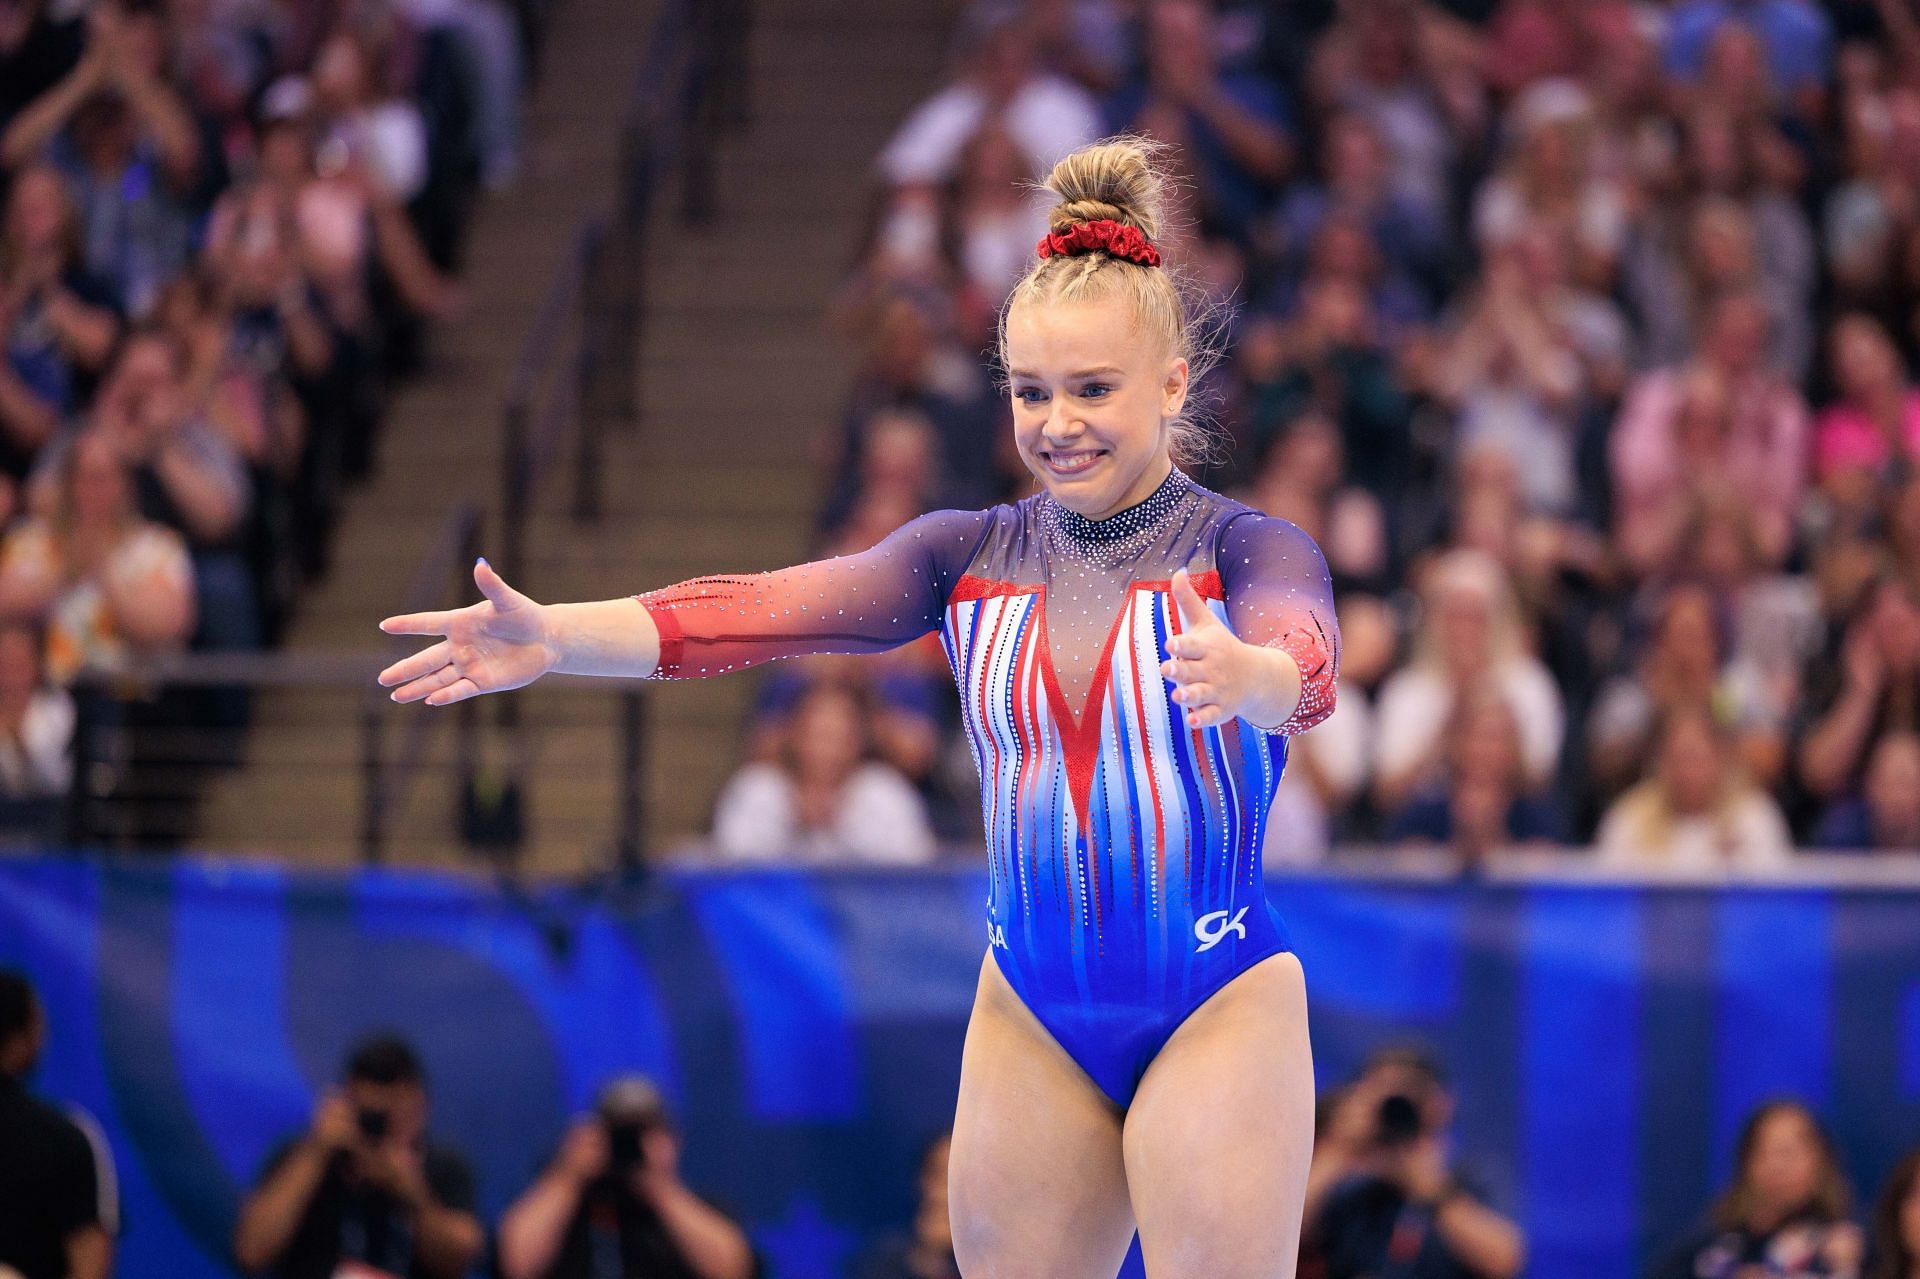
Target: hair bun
1118 179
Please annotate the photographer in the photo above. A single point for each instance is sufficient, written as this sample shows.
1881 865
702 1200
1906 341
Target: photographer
1381 1196
612 1205
59 1196
364 1185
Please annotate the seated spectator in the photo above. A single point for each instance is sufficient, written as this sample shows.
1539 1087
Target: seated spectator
1485 802
1470 638
1325 359
1045 114
109 585
1686 664
1353 188
1552 183
131 151
1786 1212
364 1185
59 1195
1795 36
1856 694
1301 479
925 1249
612 1204
1895 1245
362 124
36 733
1696 812
1885 816
186 477
57 322
823 798
1874 427
1724 424
1382 1194
1229 131
899 477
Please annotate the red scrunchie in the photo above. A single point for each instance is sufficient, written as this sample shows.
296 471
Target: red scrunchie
1104 235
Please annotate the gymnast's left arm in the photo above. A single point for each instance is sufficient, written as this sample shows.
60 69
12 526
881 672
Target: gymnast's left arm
1275 662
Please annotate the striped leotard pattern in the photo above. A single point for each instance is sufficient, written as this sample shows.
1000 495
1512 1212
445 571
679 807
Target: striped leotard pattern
1125 881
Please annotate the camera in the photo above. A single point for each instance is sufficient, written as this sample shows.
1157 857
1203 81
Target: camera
626 1151
1398 1122
373 1122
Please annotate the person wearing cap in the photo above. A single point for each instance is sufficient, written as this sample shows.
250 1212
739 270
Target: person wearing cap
611 1204
363 1194
59 1198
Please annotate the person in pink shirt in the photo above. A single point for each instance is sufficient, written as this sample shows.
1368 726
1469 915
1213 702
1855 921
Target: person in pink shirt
1875 421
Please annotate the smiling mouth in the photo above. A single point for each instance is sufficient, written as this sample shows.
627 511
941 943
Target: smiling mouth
1071 461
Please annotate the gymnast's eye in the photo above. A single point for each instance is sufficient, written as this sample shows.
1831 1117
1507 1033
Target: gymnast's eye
1094 391
1030 395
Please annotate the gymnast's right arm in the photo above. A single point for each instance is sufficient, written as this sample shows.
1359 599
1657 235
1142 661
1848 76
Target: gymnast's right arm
866 603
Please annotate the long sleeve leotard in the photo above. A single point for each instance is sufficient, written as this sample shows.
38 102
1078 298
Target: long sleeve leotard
1125 883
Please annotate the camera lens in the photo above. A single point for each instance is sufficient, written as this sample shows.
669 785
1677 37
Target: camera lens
1398 1121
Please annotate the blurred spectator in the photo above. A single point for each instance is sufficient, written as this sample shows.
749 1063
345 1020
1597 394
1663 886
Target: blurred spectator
1301 480
1872 431
108 584
59 1193
1470 638
1786 1212
1000 77
925 1249
1722 429
36 734
1885 816
1895 1245
1552 183
1485 802
611 1205
1796 37
1382 1194
186 477
1229 131
130 149
58 322
1856 695
823 798
360 124
1686 664
1696 811
363 1184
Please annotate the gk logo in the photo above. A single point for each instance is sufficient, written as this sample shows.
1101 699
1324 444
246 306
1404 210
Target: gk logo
996 936
1212 929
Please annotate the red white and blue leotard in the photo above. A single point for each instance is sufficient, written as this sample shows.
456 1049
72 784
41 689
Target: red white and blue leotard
1125 844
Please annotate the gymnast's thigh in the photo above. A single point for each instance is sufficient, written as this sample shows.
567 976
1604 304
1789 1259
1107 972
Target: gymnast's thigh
1221 1130
1037 1188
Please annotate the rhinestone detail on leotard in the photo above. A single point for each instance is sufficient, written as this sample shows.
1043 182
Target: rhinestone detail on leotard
1121 534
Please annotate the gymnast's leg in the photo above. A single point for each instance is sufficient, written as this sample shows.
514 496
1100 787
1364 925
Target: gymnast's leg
1036 1185
1220 1132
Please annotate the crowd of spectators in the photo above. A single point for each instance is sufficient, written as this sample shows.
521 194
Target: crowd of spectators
225 226
1580 335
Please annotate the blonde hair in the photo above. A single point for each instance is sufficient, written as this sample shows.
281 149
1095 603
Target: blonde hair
1124 179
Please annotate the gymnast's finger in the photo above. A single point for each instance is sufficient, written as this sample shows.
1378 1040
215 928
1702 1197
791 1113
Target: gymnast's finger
1187 645
418 623
432 682
458 691
430 658
1206 716
1194 696
1179 671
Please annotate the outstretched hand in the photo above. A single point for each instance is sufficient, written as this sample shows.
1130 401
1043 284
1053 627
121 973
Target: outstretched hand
498 644
1214 673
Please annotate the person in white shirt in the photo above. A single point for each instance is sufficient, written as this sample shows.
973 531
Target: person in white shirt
1045 115
824 798
1695 813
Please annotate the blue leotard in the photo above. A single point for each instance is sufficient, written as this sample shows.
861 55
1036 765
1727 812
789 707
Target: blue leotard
1125 844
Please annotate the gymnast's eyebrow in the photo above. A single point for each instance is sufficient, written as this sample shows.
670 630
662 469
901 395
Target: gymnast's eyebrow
1093 372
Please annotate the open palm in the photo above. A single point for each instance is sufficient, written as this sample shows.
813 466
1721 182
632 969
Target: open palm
489 647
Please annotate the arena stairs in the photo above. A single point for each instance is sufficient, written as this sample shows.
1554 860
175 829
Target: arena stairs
739 379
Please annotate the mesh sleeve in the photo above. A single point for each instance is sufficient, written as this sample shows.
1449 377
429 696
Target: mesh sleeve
1279 595
865 603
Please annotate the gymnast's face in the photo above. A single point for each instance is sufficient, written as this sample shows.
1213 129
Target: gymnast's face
1094 400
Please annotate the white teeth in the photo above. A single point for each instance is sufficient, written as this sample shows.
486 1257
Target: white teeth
1071 462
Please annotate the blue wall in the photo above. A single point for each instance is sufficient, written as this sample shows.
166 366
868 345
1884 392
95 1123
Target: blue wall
1606 1040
